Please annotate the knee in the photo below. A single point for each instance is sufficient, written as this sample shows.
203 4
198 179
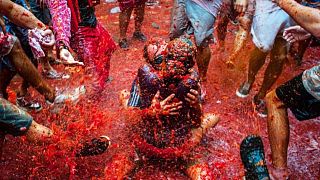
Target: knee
273 100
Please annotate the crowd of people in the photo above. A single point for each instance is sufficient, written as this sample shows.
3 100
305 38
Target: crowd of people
169 90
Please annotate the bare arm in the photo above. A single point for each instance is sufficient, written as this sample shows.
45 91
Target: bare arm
306 17
20 16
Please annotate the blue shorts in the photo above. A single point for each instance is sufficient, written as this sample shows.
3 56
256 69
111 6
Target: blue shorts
188 17
13 120
43 14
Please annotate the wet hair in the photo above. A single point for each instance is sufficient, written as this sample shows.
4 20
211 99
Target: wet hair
183 50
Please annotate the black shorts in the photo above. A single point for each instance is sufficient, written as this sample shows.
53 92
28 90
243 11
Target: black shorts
295 97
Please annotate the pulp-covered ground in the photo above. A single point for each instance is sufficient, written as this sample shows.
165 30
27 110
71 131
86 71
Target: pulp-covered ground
102 115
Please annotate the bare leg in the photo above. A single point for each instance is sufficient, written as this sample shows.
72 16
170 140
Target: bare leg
208 120
37 133
257 59
298 49
5 78
203 57
124 96
29 73
124 19
139 16
222 30
274 69
278 131
240 40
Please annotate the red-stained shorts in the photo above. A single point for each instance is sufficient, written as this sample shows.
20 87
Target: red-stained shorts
94 47
128 4
6 43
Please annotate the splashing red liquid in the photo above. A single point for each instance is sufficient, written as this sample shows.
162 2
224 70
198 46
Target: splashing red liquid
94 117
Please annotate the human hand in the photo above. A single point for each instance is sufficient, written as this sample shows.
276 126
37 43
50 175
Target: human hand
67 58
295 33
165 107
241 6
193 98
48 38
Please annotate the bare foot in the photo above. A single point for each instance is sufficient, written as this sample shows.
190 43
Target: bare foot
124 96
278 173
38 133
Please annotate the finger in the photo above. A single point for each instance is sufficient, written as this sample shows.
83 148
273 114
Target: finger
175 107
188 100
156 97
169 98
244 9
191 96
177 103
173 113
237 7
195 92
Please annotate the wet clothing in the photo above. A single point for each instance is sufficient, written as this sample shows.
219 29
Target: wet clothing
311 81
296 97
13 120
227 9
43 14
129 4
268 23
311 3
94 46
192 18
6 43
265 7
134 99
75 20
210 6
87 16
22 35
169 131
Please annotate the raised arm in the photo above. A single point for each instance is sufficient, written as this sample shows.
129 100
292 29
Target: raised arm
20 16
306 17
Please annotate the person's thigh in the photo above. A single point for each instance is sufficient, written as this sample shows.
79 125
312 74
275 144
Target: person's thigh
201 21
267 26
179 19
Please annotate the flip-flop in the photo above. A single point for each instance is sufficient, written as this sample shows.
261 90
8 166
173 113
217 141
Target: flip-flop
97 146
253 159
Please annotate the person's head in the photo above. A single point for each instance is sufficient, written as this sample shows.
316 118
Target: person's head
155 52
180 58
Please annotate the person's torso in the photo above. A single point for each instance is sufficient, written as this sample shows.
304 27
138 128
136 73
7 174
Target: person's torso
166 131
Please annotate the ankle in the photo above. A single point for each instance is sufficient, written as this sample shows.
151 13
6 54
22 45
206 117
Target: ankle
279 173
